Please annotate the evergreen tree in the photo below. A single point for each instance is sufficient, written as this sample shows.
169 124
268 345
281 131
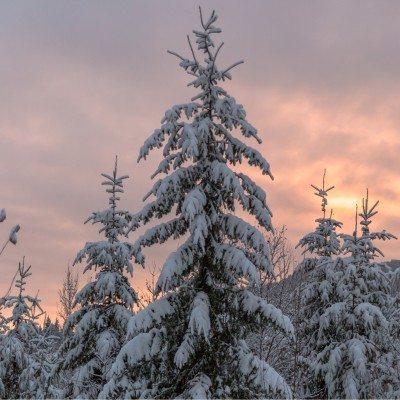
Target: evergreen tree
345 311
98 326
20 369
190 342
318 288
360 354
46 360
53 330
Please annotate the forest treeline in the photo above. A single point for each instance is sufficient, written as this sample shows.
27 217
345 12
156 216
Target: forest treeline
230 314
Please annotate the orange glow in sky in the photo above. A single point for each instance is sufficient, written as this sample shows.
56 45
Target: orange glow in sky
320 82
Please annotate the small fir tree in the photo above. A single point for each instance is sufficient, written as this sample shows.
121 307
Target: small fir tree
105 305
360 367
46 360
190 342
317 289
53 330
348 334
20 370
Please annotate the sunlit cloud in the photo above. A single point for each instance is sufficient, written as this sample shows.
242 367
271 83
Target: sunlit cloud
320 82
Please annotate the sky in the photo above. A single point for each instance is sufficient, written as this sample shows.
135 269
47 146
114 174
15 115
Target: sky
84 81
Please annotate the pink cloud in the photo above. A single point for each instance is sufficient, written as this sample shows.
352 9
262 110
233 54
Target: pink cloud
320 83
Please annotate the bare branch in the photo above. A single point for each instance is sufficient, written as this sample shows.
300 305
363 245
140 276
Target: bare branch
175 54
191 49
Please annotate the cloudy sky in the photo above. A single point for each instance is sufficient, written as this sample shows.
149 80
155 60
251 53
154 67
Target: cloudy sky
84 81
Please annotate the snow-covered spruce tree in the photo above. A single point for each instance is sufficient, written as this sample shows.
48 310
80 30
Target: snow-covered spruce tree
353 359
348 333
52 328
45 358
317 292
190 342
21 372
105 305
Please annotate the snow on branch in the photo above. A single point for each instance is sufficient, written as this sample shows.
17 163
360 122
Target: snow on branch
221 173
263 311
142 347
3 214
236 228
194 203
166 189
13 234
236 149
199 388
176 266
162 232
261 374
199 321
236 260
185 350
152 315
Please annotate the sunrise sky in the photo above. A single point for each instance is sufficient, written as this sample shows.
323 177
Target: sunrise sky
82 81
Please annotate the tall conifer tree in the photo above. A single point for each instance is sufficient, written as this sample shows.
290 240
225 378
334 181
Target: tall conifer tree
190 342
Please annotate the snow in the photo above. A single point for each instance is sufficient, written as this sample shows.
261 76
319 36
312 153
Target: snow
199 388
194 203
236 260
151 315
13 234
262 375
267 313
3 214
199 321
185 350
176 265
141 348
